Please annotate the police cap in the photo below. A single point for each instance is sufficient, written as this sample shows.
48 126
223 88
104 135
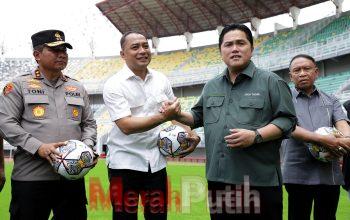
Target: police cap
50 38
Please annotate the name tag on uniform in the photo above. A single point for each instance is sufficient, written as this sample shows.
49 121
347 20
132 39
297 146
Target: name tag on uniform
36 91
73 94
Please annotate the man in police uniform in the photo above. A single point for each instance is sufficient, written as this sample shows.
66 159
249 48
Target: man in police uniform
246 112
38 112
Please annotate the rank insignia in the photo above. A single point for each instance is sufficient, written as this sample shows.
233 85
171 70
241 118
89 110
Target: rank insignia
75 112
8 88
38 111
71 88
37 73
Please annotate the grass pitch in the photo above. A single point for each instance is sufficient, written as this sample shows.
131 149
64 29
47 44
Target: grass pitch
186 185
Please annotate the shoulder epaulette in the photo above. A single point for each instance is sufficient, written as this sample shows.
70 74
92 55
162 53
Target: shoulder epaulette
68 77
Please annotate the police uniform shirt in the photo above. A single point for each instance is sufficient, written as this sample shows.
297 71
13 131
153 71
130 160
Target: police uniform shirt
255 99
33 112
126 94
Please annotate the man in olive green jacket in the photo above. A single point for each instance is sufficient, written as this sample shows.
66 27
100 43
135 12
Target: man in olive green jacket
246 112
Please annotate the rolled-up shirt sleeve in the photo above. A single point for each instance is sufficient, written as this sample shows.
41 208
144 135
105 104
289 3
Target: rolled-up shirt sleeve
283 111
338 113
11 110
197 113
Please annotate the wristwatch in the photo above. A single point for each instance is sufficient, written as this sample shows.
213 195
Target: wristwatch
258 139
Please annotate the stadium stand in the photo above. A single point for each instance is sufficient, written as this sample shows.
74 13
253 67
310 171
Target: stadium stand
188 102
279 42
331 83
12 67
337 27
170 61
74 65
99 69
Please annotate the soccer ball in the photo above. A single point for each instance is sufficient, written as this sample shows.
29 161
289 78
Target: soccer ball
172 141
77 159
319 152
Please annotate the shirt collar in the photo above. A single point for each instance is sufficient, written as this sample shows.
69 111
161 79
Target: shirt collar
248 71
128 73
298 93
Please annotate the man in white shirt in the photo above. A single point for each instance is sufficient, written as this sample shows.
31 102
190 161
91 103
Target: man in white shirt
133 98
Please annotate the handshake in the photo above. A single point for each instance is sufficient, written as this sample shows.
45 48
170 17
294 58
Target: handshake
171 109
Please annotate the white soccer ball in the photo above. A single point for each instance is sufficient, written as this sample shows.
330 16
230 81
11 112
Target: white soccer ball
172 141
77 160
319 152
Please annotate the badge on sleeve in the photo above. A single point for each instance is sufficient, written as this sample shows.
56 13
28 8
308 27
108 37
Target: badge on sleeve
38 111
8 88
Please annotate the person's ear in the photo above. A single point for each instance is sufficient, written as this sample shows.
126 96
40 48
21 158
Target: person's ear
36 55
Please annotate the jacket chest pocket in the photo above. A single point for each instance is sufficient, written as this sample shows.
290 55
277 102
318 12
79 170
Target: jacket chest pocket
37 106
213 109
74 108
250 111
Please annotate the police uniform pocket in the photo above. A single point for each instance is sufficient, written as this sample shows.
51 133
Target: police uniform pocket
38 106
74 108
250 111
213 109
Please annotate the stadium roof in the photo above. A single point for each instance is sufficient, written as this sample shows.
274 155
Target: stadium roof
162 18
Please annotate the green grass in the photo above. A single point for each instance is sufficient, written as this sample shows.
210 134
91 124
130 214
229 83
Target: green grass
190 175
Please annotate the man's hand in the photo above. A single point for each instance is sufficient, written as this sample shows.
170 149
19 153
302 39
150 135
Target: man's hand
344 142
337 146
331 156
2 179
240 138
49 151
193 139
171 109
96 156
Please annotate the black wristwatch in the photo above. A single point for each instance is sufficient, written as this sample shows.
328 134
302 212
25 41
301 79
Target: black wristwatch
258 139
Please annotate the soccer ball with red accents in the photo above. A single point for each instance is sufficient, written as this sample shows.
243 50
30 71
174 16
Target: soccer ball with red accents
172 141
77 159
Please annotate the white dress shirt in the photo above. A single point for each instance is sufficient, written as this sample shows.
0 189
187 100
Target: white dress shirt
126 94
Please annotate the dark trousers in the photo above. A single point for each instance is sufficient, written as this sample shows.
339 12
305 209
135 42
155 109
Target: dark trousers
126 186
230 201
301 197
34 200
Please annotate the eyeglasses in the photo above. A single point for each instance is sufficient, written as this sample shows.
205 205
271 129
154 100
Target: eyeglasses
306 69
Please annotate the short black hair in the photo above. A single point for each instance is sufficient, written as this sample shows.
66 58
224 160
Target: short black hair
302 56
39 48
232 27
123 39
